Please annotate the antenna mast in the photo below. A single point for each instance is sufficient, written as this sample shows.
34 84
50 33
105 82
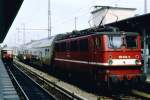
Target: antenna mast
145 6
24 34
75 23
49 18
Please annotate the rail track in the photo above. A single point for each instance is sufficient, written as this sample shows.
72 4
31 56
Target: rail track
65 91
51 86
30 90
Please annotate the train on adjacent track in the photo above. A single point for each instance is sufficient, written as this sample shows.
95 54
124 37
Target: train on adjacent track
7 54
107 55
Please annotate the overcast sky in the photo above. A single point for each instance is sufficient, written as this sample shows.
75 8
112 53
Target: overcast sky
33 14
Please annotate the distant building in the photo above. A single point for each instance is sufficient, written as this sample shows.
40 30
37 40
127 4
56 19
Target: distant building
110 14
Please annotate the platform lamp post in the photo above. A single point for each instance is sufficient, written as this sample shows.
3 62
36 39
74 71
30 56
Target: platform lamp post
49 18
145 49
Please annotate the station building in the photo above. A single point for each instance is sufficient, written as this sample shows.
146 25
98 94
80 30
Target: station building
107 14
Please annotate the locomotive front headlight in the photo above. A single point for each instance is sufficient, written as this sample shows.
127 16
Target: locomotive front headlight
136 61
110 62
24 57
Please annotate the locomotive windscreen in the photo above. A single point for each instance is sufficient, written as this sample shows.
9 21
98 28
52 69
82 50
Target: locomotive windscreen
131 41
117 41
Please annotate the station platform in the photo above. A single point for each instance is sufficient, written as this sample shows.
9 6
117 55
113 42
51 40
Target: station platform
148 75
148 78
7 90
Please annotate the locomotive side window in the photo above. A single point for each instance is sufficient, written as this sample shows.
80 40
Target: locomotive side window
73 45
131 41
63 46
83 45
57 47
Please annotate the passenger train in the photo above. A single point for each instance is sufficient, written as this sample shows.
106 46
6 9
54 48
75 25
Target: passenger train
107 56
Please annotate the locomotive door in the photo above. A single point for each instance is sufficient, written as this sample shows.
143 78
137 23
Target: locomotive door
97 49
68 54
84 49
93 50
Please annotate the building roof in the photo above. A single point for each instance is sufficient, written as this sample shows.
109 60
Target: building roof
136 24
99 8
8 12
133 24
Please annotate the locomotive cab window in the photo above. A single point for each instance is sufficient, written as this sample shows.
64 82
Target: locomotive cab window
83 45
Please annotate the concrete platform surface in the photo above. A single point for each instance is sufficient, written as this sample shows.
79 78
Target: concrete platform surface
7 90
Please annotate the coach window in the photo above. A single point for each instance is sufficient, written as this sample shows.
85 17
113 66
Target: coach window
34 52
83 45
45 51
73 46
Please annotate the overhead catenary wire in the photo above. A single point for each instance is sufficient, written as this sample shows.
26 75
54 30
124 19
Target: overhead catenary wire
49 19
71 19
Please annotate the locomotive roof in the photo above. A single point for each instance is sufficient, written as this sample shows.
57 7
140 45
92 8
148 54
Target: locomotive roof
120 32
63 37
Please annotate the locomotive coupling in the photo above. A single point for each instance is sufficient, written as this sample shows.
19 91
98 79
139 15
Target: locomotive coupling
114 79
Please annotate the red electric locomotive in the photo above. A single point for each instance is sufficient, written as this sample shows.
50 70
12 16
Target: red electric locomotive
109 57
